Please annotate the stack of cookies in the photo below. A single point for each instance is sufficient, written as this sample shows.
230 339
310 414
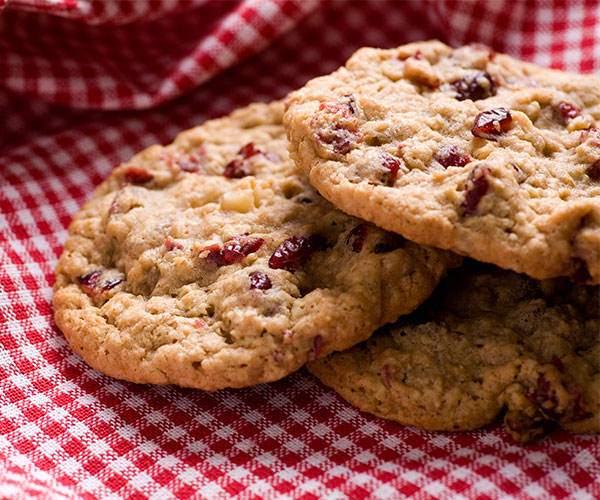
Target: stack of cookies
331 229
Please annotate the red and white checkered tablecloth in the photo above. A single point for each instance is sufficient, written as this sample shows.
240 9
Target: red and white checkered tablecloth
69 432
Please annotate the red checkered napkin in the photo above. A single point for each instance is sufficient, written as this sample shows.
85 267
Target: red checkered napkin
69 432
180 45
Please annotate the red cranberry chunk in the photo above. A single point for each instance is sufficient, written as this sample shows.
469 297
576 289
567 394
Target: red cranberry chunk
351 104
478 85
249 150
193 161
556 361
316 349
110 284
259 281
92 283
356 237
236 249
475 188
336 126
214 254
89 281
544 397
593 171
233 251
171 244
387 373
567 111
592 135
450 155
490 124
580 412
136 175
295 251
238 167
392 164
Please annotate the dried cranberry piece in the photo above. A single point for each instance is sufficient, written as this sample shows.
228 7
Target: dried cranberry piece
544 397
249 150
556 361
449 155
171 244
351 104
92 284
193 161
233 251
475 188
137 175
236 249
214 254
579 411
592 134
356 237
387 372
336 126
316 349
238 167
110 284
593 171
295 251
390 242
478 85
259 281
490 124
567 111
89 281
393 165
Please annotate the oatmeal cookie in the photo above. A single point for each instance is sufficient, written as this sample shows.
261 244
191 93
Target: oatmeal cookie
212 263
462 149
489 340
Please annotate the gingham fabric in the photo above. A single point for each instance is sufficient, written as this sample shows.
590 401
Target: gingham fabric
69 432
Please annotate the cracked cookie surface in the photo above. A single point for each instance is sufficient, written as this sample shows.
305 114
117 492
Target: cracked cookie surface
488 340
462 149
213 263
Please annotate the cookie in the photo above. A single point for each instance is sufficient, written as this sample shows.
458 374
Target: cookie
212 263
462 149
488 340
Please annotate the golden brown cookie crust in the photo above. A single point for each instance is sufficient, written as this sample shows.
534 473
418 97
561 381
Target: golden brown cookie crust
168 274
462 149
488 340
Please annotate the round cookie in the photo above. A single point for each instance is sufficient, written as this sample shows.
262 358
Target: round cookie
488 340
212 263
462 149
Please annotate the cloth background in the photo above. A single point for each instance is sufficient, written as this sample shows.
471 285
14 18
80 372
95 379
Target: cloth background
84 84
